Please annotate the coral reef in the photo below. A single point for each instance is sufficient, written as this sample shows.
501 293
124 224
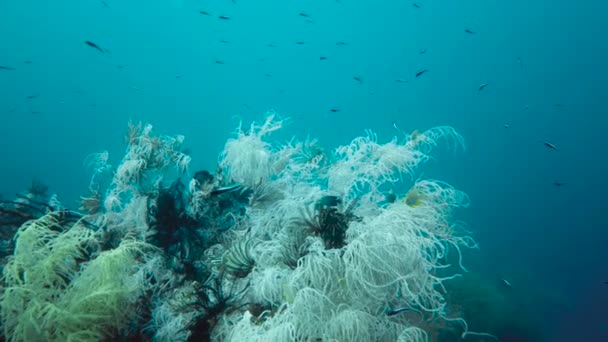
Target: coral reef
284 242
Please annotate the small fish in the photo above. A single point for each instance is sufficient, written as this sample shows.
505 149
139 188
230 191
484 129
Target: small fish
550 145
328 201
520 63
300 43
526 107
219 62
224 41
31 97
506 283
482 86
204 13
416 5
397 311
223 17
341 43
95 46
271 45
358 79
268 75
3 67
226 189
27 62
419 73
389 198
469 31
401 80
414 198
178 76
395 127
305 15
334 110
558 183
507 126
422 52
105 4
322 58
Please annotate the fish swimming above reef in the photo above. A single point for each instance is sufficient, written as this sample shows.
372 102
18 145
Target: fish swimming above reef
549 145
2 67
95 46
414 198
419 73
226 189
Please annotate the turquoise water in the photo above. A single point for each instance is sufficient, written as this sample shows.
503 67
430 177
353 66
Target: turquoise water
164 62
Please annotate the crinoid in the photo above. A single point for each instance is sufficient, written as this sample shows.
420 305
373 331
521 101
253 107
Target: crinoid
238 260
211 300
329 220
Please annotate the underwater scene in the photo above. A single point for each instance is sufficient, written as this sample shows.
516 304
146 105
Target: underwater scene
290 170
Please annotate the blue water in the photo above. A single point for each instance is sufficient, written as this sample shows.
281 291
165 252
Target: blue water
544 63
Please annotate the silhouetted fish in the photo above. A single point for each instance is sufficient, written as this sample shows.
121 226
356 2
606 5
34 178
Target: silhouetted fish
95 46
550 145
469 31
419 73
2 67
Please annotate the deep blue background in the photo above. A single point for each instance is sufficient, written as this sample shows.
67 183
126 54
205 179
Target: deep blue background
161 67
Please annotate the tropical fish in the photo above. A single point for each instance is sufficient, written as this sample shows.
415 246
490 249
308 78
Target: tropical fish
419 73
2 67
549 145
223 17
95 46
358 79
226 189
482 86
414 198
469 31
